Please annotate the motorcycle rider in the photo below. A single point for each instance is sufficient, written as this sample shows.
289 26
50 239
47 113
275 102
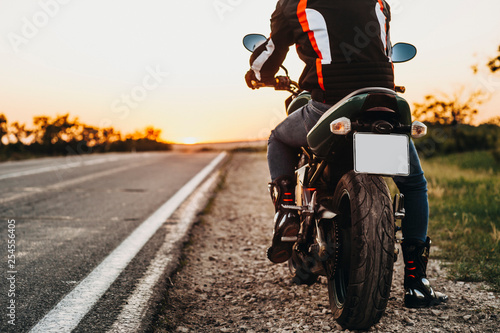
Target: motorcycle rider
345 46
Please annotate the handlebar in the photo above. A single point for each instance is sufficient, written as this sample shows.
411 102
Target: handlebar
286 84
279 83
400 89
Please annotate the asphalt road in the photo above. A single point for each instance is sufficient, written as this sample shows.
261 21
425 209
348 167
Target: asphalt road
70 214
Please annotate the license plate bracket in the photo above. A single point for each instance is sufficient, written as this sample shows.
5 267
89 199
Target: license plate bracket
382 154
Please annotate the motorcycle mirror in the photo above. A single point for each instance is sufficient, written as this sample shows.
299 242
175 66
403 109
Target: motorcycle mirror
252 41
402 52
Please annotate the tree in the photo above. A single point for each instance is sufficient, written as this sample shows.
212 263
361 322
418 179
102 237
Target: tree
50 131
446 110
63 135
148 133
493 121
18 133
494 64
3 127
152 133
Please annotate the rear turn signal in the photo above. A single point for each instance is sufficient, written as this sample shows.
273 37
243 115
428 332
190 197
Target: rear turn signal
418 129
340 126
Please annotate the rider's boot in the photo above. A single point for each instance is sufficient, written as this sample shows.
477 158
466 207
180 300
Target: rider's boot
286 221
418 290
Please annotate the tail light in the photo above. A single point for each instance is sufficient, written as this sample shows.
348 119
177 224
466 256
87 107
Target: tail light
418 129
340 126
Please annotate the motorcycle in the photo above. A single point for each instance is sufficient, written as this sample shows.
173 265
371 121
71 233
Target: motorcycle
348 220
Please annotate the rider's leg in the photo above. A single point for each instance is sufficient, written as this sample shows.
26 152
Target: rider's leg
414 189
286 139
418 290
283 155
416 244
286 221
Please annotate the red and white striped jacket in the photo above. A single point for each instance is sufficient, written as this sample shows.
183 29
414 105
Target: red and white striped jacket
345 45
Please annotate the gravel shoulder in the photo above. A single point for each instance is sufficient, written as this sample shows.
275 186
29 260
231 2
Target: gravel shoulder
226 284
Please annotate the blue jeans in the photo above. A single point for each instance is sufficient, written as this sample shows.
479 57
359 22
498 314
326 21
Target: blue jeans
291 134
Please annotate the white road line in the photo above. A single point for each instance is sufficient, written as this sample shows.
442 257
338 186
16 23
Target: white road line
134 310
68 313
62 166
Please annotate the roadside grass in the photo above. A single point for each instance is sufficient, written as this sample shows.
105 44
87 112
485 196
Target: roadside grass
464 198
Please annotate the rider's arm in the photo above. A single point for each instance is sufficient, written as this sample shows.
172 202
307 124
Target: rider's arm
267 58
387 13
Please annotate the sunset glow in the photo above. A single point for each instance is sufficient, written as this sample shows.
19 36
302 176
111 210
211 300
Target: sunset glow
188 140
126 66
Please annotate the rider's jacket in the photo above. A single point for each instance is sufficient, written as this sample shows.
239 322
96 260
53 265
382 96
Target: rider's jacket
345 45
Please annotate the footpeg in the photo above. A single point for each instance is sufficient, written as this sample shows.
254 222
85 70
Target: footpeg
289 239
399 208
304 210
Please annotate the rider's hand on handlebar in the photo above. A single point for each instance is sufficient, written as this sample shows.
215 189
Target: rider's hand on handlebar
282 83
251 80
254 83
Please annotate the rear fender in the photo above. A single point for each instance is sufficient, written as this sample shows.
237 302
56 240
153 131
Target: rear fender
364 103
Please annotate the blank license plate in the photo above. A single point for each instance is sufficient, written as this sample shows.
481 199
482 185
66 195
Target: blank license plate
382 154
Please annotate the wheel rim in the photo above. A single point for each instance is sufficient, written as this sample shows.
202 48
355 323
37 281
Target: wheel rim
340 288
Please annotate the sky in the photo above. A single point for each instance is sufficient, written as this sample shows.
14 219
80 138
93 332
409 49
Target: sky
180 65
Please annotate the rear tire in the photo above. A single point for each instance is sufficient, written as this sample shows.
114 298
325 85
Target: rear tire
359 283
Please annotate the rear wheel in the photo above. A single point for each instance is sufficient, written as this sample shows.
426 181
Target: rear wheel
359 283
